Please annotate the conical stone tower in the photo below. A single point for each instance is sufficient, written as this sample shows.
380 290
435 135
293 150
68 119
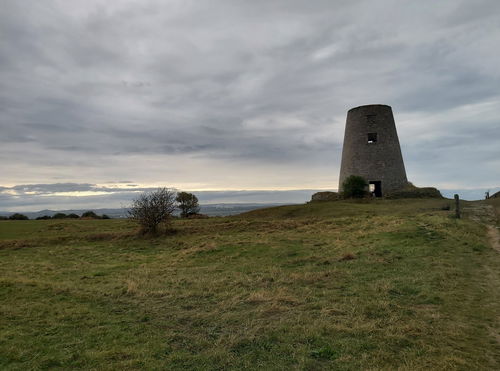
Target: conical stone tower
371 149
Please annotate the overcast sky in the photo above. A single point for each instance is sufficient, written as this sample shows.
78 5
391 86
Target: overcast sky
238 95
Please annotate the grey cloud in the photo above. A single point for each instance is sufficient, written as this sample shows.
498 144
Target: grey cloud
93 87
50 188
42 189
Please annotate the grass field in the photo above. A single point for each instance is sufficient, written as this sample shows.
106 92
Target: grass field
336 285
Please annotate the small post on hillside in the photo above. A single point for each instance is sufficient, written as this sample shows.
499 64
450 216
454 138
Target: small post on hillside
457 207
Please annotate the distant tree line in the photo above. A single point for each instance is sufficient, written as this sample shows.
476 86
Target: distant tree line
150 210
85 215
15 216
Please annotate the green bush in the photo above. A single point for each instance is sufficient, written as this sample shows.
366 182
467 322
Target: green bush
354 186
59 216
90 215
187 203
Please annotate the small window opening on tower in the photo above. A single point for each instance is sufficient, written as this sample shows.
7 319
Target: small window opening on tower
372 138
370 119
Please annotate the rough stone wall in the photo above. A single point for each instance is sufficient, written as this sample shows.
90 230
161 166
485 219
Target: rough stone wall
379 161
325 196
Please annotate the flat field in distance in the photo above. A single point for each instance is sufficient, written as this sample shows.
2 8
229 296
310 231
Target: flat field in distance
336 285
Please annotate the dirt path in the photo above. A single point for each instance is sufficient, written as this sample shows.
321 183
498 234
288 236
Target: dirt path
481 213
494 235
485 214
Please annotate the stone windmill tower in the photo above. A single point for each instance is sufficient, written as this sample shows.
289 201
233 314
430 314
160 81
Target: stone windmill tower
371 149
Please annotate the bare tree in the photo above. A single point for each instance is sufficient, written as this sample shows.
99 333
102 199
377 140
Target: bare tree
151 209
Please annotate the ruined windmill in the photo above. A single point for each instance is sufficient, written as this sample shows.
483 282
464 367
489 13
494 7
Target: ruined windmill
371 149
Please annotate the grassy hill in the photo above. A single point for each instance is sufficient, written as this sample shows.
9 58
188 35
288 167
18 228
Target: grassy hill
336 285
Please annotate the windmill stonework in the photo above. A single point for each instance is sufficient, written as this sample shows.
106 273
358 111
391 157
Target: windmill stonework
371 149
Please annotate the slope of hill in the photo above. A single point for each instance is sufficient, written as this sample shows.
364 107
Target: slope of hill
209 209
336 285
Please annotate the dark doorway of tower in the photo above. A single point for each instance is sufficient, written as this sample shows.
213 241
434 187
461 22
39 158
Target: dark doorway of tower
375 188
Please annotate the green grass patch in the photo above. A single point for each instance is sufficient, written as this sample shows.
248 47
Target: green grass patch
335 285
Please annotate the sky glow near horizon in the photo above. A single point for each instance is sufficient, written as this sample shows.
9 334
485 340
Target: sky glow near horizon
237 95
